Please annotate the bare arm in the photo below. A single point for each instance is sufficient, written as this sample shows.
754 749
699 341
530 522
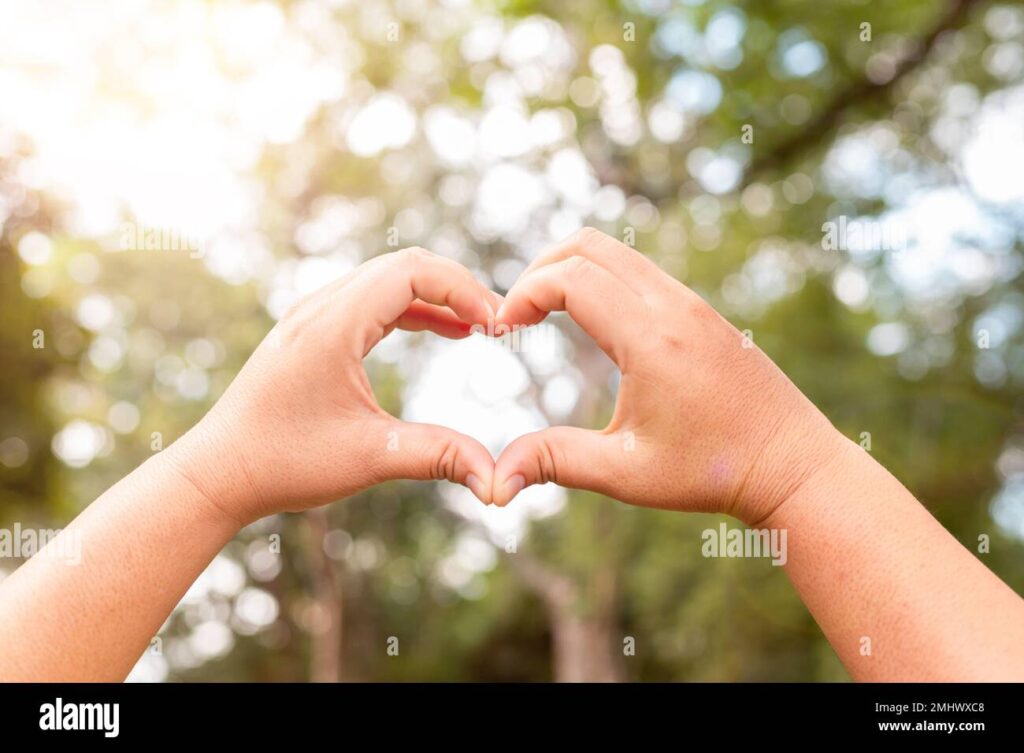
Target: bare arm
298 427
138 549
704 421
897 596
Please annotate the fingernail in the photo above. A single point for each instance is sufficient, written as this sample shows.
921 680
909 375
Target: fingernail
514 485
477 487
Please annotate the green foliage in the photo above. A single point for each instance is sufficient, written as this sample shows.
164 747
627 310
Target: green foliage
939 429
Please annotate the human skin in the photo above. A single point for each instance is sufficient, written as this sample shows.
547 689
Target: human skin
704 421
298 427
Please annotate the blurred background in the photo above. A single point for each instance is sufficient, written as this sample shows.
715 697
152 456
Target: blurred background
845 180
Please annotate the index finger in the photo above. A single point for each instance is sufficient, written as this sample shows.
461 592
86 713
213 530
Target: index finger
600 303
636 271
387 286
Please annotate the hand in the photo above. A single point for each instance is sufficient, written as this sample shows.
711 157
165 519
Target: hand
300 426
704 421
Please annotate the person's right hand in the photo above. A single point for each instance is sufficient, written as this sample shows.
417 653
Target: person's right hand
299 426
704 421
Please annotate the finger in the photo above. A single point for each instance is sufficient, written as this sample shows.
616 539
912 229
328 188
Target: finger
606 309
634 269
496 299
426 451
387 286
422 316
571 457
330 290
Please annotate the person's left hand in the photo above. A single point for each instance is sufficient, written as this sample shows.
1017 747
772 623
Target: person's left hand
703 421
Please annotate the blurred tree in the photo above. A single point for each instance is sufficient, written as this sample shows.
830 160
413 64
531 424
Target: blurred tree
721 139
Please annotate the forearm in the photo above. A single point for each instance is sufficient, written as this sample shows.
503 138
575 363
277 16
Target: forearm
299 427
141 545
897 596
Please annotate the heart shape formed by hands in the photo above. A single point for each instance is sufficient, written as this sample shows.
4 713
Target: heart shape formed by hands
700 421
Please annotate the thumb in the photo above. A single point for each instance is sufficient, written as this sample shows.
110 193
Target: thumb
426 451
576 458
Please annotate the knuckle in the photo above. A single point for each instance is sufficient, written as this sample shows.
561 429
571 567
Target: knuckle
444 465
297 319
588 235
549 461
697 309
415 252
579 266
403 258
651 303
672 343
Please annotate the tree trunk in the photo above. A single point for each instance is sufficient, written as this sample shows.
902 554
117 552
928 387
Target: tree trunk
585 641
326 650
582 640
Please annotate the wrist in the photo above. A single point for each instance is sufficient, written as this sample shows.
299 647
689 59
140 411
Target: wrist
838 463
799 455
216 471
